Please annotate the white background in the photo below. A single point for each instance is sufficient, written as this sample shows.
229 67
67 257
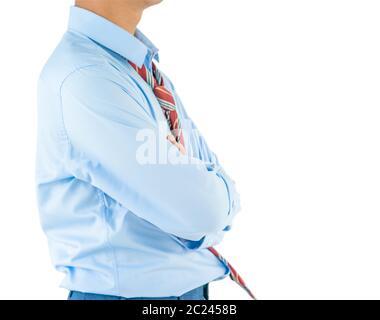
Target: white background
287 94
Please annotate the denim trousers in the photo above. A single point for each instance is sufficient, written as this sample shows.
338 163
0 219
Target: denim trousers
200 293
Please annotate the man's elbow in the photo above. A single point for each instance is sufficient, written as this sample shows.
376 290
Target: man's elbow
208 214
212 219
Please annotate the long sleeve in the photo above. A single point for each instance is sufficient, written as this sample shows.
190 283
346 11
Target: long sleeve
102 118
206 155
209 157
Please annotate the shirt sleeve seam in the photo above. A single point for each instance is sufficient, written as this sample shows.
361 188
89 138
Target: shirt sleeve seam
68 141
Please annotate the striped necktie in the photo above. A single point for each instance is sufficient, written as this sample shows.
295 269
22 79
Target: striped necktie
166 100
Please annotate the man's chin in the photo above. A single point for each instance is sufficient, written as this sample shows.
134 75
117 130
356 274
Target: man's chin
150 3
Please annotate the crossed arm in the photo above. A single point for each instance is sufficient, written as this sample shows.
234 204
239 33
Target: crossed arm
194 201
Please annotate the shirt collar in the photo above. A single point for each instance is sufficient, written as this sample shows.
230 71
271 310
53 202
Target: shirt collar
135 48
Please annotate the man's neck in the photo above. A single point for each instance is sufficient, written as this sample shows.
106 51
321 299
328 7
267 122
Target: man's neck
122 14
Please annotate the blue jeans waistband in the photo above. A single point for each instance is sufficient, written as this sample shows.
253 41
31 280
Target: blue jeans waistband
200 293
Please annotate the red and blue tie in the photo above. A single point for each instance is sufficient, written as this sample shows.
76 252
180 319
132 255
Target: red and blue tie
166 100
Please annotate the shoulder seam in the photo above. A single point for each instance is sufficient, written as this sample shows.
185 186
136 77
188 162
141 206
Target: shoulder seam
76 70
60 97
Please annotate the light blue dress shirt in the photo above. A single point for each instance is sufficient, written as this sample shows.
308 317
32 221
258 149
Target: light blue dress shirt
116 226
